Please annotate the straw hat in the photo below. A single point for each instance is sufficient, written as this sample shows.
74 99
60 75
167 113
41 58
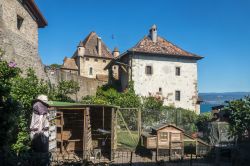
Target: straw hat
42 98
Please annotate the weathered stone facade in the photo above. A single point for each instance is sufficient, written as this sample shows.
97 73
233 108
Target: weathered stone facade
20 45
164 82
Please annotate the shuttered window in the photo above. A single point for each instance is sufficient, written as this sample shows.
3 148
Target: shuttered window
149 70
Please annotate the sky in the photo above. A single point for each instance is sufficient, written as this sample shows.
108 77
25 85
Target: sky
218 30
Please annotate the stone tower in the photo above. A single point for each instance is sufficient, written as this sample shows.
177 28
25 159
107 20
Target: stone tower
19 23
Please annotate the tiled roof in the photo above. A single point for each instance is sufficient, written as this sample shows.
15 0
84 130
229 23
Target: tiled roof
162 47
69 63
90 44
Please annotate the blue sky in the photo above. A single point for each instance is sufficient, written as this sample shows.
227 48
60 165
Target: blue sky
219 30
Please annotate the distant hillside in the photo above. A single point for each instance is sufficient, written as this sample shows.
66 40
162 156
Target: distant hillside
219 98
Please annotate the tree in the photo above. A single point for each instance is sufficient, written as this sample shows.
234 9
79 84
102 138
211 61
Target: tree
239 118
55 66
202 121
63 90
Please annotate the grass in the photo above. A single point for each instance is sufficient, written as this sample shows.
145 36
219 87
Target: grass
125 142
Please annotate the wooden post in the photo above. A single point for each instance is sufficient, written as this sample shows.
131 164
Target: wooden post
196 147
170 146
113 133
182 148
157 145
83 136
103 118
85 132
139 123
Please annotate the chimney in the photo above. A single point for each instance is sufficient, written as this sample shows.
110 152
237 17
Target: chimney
153 33
99 46
116 52
80 49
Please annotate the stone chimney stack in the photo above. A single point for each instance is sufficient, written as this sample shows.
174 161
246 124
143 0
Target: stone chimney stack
80 49
116 52
99 46
153 33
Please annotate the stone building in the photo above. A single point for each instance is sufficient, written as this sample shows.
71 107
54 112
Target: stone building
19 23
90 58
161 69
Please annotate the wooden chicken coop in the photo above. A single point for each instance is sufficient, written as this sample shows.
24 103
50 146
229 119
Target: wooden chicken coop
88 131
166 140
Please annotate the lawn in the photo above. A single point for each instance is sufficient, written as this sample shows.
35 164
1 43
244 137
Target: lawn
125 142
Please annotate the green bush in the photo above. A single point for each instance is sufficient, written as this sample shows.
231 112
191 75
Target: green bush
17 93
239 117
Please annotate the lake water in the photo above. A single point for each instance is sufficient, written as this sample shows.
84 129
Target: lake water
207 107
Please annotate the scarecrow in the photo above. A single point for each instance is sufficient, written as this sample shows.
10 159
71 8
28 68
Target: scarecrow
39 127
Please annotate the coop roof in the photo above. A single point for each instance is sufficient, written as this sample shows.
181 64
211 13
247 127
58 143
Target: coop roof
163 125
147 134
70 105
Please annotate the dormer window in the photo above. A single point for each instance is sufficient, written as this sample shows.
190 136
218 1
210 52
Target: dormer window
19 22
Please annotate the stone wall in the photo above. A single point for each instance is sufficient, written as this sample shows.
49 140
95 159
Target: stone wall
21 45
164 77
88 86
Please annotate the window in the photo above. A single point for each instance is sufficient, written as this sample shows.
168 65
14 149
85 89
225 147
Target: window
87 59
19 22
160 90
164 136
96 60
177 71
90 71
104 61
149 70
177 95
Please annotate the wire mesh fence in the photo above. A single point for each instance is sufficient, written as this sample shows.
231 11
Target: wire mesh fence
129 127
